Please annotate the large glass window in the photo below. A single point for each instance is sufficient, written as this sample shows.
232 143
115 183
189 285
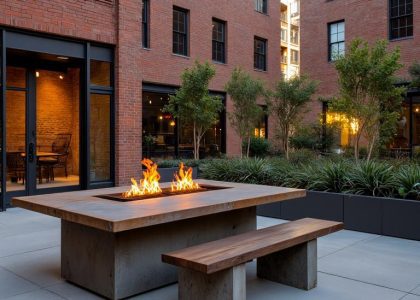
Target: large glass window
165 137
261 6
260 54
401 18
100 73
294 59
336 40
219 41
261 130
145 23
180 31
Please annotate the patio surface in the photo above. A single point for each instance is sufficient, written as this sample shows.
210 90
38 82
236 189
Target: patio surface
352 265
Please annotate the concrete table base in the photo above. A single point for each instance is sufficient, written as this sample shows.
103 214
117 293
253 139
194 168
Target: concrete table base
228 284
295 266
122 264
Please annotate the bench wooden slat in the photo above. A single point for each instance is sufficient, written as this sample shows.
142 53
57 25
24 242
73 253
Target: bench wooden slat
225 253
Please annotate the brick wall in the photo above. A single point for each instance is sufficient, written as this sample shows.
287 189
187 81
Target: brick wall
366 19
159 65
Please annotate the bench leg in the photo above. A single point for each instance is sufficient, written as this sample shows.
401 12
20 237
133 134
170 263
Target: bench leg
296 266
228 284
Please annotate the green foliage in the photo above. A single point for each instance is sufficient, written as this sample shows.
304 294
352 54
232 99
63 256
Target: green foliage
408 181
414 71
371 178
259 147
244 91
367 91
302 156
192 103
312 137
331 177
286 104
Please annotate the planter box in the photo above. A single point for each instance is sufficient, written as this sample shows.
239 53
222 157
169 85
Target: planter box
320 205
167 174
385 216
401 218
363 213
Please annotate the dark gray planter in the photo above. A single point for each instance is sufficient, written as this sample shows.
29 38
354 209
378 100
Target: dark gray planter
167 174
401 218
272 210
320 205
363 213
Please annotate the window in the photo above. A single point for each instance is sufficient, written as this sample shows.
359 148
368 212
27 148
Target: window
260 54
294 57
145 23
180 31
401 18
336 40
261 6
294 36
219 41
284 35
261 129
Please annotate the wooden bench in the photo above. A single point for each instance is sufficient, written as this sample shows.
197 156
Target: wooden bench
286 253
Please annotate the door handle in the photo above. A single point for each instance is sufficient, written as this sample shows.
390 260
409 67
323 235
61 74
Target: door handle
31 152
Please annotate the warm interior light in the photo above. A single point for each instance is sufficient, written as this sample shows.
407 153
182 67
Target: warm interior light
172 123
37 74
61 77
160 117
417 109
63 57
183 180
149 185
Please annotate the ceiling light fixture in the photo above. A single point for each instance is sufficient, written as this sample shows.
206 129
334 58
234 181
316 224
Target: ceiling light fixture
63 57
37 74
61 77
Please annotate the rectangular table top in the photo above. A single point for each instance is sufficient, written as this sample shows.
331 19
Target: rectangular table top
85 208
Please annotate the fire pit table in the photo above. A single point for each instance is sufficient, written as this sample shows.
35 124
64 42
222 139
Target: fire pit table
114 247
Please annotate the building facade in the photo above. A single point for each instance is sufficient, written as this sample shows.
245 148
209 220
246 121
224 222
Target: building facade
335 24
83 84
289 38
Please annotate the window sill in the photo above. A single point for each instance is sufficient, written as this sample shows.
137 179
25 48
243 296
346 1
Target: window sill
402 39
259 70
262 13
219 63
181 56
146 48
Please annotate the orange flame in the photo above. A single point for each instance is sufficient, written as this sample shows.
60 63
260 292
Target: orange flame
183 180
149 184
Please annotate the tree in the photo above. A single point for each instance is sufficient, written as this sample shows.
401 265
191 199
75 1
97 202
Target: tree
193 105
414 71
367 92
244 91
287 102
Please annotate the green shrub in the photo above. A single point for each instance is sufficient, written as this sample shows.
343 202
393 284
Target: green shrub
259 147
313 137
331 177
408 181
302 156
302 176
371 178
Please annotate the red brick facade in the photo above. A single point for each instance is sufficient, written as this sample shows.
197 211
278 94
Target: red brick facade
365 19
118 23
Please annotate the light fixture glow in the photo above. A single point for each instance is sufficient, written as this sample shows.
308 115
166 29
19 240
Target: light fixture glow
61 77
63 57
37 74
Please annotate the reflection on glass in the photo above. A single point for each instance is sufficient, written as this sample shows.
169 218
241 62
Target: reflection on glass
15 77
100 73
15 138
416 125
161 132
57 128
100 134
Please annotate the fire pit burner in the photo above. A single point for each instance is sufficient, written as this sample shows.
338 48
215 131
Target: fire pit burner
165 192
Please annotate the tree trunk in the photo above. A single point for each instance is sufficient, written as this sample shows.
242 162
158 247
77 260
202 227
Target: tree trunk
196 155
371 146
248 146
286 142
356 146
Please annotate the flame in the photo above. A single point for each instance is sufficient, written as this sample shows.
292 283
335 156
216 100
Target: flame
183 180
149 184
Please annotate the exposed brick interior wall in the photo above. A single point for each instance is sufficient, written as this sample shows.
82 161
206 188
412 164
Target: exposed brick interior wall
86 19
366 19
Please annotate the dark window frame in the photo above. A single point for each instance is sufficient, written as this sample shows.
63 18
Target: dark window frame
145 21
292 57
406 16
330 58
264 9
184 35
217 44
260 56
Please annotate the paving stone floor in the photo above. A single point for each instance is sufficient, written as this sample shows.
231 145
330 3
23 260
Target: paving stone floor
352 265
